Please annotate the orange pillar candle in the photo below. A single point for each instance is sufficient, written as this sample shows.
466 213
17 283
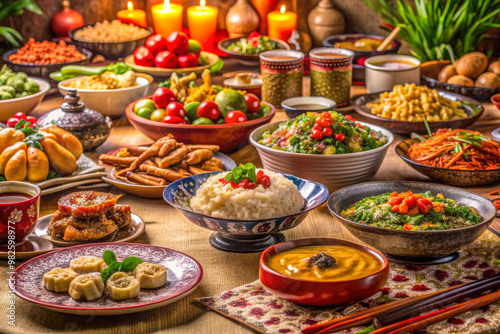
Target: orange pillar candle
281 24
202 23
167 18
131 15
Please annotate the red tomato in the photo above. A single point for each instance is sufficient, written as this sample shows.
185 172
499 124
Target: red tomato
254 34
316 134
31 119
235 116
326 114
253 103
339 137
156 43
408 227
395 208
11 122
163 96
143 57
208 109
317 127
20 115
166 59
424 205
175 109
177 42
327 132
324 121
173 120
187 59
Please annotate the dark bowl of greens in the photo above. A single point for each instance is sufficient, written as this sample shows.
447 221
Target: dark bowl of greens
240 48
432 225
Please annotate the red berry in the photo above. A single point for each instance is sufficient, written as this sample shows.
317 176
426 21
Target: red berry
327 132
339 137
11 122
316 134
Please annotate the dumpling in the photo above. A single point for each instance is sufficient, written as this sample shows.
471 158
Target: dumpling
86 264
122 286
59 279
87 286
150 275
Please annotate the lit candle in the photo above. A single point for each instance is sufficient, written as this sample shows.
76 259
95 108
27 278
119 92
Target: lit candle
167 18
131 15
202 23
281 24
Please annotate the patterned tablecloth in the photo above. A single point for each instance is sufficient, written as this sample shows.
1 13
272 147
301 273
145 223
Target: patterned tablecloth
253 306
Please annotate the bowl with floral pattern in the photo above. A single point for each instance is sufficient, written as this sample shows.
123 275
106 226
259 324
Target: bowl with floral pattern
243 236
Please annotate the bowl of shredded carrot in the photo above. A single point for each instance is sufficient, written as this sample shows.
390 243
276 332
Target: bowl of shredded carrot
457 157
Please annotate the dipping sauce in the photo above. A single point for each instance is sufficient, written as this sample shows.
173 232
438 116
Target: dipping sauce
350 263
395 64
7 198
363 44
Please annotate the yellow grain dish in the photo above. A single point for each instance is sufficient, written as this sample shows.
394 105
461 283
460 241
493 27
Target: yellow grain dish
110 32
414 103
107 80
349 263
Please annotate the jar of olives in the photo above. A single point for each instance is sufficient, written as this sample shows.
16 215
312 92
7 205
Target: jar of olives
331 74
282 72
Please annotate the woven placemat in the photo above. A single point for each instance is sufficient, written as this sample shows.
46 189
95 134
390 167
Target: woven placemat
254 307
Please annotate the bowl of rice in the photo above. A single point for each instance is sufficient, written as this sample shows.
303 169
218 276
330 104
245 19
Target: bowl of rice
245 218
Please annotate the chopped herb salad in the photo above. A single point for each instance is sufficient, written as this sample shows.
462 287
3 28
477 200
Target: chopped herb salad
323 133
412 212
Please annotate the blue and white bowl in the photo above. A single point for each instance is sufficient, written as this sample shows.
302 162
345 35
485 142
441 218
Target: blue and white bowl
243 235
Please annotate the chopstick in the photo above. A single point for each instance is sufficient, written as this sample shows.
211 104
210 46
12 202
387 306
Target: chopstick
410 325
389 39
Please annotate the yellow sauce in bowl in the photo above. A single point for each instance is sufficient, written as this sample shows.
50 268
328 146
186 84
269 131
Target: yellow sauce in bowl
351 263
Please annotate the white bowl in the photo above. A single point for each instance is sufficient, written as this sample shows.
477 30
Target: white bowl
379 78
334 171
23 104
110 102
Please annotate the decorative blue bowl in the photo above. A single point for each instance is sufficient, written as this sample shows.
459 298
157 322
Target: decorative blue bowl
243 236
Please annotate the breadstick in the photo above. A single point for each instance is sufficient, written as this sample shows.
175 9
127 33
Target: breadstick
149 162
167 147
122 172
174 157
157 161
184 172
198 156
142 180
213 148
196 170
152 178
137 150
149 153
167 174
114 160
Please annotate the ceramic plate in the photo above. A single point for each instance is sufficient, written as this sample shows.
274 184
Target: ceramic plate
33 246
152 191
473 108
225 43
183 274
135 230
166 72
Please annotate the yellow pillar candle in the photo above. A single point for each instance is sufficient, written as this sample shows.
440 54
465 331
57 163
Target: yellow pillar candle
281 24
202 23
167 18
131 15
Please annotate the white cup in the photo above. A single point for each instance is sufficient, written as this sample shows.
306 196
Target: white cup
379 78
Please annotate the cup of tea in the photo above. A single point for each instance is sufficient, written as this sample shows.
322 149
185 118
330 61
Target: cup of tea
19 209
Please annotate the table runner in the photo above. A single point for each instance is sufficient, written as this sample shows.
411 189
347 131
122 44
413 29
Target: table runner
253 306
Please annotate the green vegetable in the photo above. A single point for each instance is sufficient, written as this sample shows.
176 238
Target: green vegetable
192 84
246 171
165 83
264 110
217 88
2 178
202 121
220 121
14 85
246 46
52 175
114 266
217 67
440 29
73 71
9 8
228 100
192 110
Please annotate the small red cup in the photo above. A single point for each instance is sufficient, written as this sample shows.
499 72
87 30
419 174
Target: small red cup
18 218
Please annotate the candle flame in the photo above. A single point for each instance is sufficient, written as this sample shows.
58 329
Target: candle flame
130 6
283 9
202 3
166 5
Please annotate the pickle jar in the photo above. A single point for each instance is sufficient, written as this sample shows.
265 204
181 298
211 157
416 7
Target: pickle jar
282 72
331 74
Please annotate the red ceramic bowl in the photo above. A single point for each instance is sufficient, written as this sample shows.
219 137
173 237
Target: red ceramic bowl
313 293
495 99
228 136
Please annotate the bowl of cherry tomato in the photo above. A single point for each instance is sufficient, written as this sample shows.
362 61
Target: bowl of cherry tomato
202 123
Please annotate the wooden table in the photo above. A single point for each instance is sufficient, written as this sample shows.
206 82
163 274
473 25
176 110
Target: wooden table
167 227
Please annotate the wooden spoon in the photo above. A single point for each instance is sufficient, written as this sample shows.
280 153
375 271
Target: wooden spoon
389 39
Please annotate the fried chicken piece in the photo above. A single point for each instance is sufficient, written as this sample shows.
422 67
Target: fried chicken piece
86 204
198 156
121 215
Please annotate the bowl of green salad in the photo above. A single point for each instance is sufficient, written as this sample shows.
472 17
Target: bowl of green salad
412 221
326 147
247 49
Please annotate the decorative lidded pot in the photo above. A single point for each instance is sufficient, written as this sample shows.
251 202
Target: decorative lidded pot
88 125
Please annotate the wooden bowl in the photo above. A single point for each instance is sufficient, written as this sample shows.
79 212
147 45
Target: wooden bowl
317 293
429 72
228 137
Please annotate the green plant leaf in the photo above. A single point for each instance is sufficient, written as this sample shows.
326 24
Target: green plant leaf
109 257
130 263
11 35
110 270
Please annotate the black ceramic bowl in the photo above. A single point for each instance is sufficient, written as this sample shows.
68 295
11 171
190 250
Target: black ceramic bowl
358 69
110 50
412 245
454 177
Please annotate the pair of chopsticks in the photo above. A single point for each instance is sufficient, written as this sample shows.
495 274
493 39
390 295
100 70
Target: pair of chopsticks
403 315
